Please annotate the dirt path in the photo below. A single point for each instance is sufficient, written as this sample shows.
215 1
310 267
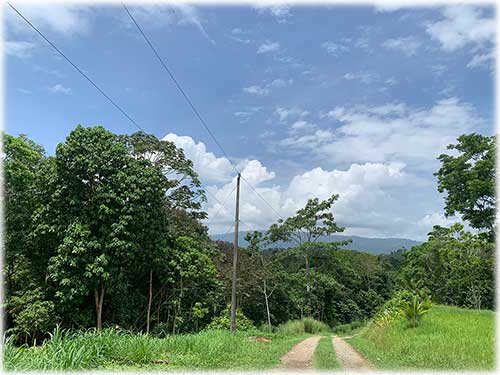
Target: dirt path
348 357
301 355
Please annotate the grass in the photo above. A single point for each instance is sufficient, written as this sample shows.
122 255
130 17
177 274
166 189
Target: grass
324 355
302 326
112 349
448 338
348 329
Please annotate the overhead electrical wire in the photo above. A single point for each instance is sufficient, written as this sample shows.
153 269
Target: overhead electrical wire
124 113
196 112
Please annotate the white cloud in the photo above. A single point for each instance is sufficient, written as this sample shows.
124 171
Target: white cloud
60 89
371 195
257 90
363 77
268 47
245 115
334 49
375 197
19 49
206 164
280 11
408 45
461 26
391 81
67 20
485 60
290 113
266 88
160 16
396 132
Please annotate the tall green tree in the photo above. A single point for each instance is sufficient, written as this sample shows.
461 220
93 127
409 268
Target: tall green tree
304 229
468 179
109 209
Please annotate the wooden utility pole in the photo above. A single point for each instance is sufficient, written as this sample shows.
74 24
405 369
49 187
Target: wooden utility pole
235 257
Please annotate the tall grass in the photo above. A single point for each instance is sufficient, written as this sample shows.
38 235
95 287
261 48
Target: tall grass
115 349
448 338
302 326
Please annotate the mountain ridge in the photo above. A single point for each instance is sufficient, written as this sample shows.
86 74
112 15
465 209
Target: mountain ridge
366 244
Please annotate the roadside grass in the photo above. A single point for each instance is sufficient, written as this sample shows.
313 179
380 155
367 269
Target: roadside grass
324 355
302 326
448 338
114 349
348 329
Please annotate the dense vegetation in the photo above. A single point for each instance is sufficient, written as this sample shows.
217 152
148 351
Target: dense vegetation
107 233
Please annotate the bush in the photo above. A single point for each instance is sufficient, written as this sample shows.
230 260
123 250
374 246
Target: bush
223 322
305 325
347 328
414 310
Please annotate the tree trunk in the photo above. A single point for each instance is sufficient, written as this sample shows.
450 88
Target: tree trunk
99 299
150 299
267 306
308 288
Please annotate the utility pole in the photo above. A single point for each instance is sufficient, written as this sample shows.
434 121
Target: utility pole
235 257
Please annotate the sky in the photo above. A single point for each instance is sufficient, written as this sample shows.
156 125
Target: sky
306 101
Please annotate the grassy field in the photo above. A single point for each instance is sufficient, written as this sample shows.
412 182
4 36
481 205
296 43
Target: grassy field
112 349
324 356
447 338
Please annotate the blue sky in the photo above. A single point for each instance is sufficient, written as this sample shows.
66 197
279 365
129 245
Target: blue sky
306 101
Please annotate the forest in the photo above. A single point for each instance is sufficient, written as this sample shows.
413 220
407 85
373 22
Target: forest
108 232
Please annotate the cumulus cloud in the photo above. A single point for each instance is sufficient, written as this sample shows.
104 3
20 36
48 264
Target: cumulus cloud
206 164
397 132
461 26
375 197
408 45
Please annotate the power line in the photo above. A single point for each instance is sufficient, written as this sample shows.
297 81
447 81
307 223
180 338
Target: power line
78 69
179 86
261 197
162 62
223 205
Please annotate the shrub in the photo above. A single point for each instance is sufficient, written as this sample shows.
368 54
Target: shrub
414 310
223 322
305 325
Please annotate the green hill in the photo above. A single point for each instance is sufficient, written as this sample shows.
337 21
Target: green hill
370 245
448 338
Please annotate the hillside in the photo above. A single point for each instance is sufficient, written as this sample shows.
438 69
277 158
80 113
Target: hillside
448 338
370 245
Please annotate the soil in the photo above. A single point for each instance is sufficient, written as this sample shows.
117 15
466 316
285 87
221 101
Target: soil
348 357
301 355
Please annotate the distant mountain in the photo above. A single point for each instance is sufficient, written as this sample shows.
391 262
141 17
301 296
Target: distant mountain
369 245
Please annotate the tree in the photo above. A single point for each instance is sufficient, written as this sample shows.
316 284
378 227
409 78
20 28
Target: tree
305 228
468 179
183 189
109 210
265 268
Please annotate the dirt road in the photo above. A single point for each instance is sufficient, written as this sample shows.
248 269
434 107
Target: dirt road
301 355
349 358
